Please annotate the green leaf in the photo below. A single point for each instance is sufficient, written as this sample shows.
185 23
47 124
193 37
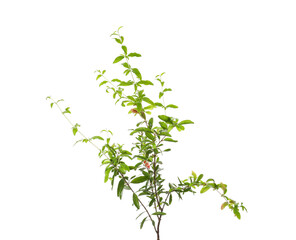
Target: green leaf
126 65
137 73
136 201
158 104
124 49
171 106
98 137
118 40
164 118
128 83
134 55
186 122
170 140
124 166
161 94
194 175
120 188
236 212
139 179
107 171
149 135
224 205
163 125
100 75
102 83
150 123
131 98
116 80
149 107
74 129
118 59
167 89
165 133
170 199
141 129
180 128
145 82
51 105
159 213
204 189
199 177
148 100
142 223
67 110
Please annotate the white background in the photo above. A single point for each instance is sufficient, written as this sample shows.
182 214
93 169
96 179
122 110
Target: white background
231 65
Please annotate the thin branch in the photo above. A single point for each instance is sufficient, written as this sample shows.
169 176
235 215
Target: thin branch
111 163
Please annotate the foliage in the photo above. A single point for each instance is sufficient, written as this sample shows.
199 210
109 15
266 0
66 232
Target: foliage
138 170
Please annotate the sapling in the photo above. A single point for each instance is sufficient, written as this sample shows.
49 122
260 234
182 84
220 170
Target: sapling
137 170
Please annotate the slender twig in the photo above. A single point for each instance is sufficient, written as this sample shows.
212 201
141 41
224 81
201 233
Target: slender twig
111 163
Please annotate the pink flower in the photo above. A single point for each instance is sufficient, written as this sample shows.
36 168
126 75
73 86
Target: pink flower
147 165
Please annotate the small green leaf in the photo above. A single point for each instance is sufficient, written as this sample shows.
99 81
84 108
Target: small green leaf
159 213
148 100
74 129
150 123
126 65
51 105
118 59
224 205
199 177
164 118
128 83
107 171
163 125
236 212
165 133
149 135
171 106
170 140
116 80
134 55
194 175
204 189
160 94
170 199
167 89
102 83
124 166
67 110
120 188
180 128
137 73
136 201
139 179
186 122
142 223
124 49
141 129
98 137
100 75
158 104
145 82
118 40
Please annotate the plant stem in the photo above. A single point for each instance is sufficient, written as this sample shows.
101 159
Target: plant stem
111 163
